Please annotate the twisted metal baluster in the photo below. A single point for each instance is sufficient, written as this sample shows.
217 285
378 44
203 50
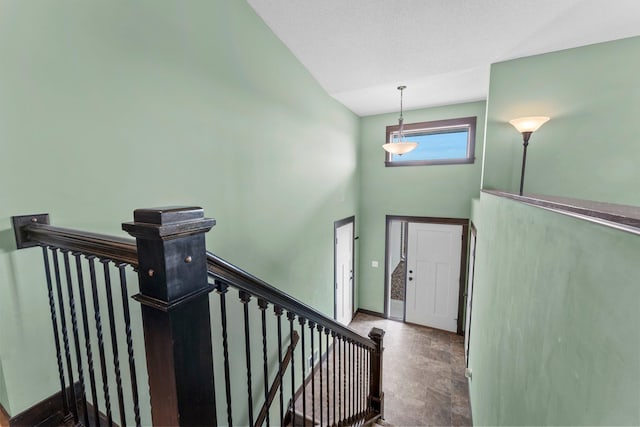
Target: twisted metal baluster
245 298
312 325
65 335
96 314
302 321
262 304
291 317
114 340
278 312
320 366
87 338
56 336
76 338
222 289
127 325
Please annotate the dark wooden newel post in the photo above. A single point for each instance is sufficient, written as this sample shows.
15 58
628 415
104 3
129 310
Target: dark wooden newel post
376 395
172 270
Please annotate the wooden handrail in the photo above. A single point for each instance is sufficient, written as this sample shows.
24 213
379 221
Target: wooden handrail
124 250
238 278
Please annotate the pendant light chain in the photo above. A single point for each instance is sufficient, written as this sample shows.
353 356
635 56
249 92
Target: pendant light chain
401 119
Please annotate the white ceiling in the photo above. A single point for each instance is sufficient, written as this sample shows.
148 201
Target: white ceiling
361 50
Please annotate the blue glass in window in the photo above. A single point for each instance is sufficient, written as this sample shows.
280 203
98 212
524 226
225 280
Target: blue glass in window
436 146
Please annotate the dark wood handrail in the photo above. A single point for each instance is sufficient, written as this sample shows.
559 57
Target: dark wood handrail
117 249
238 278
120 249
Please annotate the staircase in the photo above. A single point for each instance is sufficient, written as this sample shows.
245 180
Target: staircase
221 347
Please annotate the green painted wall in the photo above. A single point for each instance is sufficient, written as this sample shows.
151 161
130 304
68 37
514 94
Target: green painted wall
589 148
555 314
437 191
110 106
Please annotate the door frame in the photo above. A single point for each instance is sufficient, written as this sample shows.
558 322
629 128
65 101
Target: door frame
473 234
336 225
464 222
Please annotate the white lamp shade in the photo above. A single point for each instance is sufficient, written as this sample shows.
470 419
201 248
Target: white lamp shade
399 147
529 124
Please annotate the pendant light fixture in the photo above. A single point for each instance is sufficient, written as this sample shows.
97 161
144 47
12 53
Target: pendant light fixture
401 147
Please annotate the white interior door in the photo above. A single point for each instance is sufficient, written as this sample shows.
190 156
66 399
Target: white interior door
433 275
467 327
344 273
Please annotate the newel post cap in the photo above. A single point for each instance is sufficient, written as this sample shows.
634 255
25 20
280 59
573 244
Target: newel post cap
168 222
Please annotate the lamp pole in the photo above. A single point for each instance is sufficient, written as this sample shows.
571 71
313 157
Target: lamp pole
525 144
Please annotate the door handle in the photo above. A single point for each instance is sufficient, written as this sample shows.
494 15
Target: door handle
410 278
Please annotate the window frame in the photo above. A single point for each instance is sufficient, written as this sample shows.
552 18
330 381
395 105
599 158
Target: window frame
435 127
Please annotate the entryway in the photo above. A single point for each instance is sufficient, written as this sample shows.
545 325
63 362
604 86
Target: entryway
343 270
425 266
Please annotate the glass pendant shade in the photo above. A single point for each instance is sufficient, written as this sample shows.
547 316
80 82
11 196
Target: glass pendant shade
529 124
401 147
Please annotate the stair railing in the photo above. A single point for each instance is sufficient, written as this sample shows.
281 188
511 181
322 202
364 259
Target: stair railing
176 277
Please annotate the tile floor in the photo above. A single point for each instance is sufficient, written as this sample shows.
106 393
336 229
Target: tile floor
423 376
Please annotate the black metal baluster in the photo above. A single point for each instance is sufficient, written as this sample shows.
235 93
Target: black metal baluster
56 336
76 338
359 379
352 369
245 298
368 379
221 289
344 380
312 326
127 326
114 340
278 312
262 304
349 405
291 316
103 363
303 367
340 414
326 333
87 338
320 366
333 335
65 335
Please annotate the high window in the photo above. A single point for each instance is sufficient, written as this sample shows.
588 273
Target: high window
441 142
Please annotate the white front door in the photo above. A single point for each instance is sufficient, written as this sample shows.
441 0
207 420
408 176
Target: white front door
344 273
467 328
433 275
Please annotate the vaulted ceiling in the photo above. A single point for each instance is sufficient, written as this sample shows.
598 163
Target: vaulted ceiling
361 50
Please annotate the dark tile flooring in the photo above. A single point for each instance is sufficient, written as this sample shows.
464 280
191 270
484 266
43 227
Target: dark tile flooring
423 378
